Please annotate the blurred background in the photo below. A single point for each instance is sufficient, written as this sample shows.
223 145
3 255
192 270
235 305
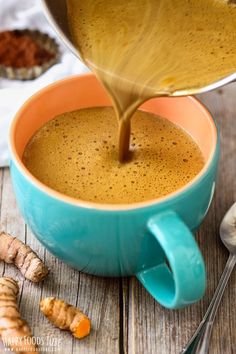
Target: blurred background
28 14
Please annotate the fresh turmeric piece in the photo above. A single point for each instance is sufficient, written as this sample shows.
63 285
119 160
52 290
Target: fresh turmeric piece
14 331
15 251
65 316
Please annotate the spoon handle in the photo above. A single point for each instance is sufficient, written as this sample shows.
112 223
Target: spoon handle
200 341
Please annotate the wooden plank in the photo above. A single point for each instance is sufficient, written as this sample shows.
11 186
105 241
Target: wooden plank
10 221
154 330
224 338
125 311
98 297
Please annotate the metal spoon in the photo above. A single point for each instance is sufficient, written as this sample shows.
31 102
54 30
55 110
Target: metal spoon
199 343
56 12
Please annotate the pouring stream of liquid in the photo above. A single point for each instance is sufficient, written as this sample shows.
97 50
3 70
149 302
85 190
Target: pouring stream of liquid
153 48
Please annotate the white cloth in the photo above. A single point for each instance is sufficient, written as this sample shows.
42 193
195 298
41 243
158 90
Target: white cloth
15 14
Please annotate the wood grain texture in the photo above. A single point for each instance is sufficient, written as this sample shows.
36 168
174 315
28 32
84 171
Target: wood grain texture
157 331
124 316
97 297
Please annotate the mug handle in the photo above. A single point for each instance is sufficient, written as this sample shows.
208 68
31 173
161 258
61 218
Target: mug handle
183 281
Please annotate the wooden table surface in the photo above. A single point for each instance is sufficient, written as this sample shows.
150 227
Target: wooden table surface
125 318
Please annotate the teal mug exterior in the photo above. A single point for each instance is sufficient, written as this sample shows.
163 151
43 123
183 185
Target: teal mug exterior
152 240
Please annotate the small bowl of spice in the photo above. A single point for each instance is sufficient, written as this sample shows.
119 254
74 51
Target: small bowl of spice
26 54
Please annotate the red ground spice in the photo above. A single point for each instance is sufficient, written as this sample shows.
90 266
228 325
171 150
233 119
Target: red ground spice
20 50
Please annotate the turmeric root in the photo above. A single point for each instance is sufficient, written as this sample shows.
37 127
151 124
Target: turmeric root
14 332
15 251
66 316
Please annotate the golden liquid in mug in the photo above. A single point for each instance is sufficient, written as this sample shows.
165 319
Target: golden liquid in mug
140 49
76 154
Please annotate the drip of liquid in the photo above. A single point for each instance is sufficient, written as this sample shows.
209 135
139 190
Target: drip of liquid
149 48
80 147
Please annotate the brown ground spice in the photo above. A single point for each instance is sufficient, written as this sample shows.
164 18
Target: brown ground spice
20 50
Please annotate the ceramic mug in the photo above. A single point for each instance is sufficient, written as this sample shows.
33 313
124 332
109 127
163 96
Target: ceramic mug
152 240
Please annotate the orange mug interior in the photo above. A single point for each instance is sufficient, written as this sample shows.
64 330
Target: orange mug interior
85 91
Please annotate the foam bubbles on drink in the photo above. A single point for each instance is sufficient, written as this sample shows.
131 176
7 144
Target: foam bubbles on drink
75 154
